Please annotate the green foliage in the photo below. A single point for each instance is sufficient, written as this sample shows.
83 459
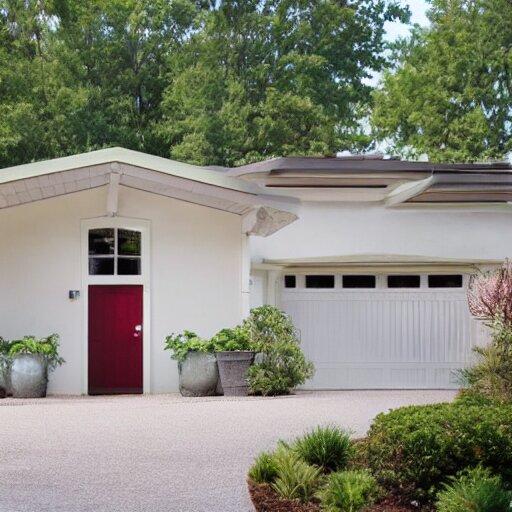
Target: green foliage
348 491
47 348
264 468
231 339
449 95
476 490
207 82
295 479
491 375
415 449
183 343
5 358
281 365
328 447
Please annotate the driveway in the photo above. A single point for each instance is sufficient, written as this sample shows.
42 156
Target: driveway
160 453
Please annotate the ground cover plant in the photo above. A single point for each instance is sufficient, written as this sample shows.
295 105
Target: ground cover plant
423 458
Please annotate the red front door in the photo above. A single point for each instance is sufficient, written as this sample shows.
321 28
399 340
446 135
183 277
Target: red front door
115 339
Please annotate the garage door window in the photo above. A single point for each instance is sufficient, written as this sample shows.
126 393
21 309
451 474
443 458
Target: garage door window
358 281
320 281
445 281
290 281
114 251
406 281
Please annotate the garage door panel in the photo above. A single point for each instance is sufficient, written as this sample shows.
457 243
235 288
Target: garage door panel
383 339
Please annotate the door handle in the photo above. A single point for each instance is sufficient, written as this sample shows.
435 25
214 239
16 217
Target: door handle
138 330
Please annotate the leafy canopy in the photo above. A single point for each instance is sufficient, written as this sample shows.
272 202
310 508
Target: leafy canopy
450 94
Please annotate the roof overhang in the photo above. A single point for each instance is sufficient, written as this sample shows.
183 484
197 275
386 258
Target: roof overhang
372 178
377 263
121 167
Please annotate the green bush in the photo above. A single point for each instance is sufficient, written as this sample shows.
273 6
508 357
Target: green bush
230 339
415 449
281 365
348 491
328 447
183 343
47 348
491 375
295 478
264 469
474 490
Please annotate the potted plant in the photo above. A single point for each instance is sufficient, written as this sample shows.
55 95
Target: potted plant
197 365
32 360
234 357
5 368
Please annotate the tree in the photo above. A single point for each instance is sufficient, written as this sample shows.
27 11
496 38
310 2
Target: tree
264 78
450 93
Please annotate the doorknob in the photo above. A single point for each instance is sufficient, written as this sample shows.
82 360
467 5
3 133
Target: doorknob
138 330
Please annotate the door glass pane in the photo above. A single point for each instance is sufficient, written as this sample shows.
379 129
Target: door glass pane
101 241
358 281
128 242
128 266
101 266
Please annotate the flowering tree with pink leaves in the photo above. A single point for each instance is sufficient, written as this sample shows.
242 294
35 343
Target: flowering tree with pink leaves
490 297
490 294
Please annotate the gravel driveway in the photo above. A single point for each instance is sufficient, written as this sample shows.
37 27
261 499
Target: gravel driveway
160 453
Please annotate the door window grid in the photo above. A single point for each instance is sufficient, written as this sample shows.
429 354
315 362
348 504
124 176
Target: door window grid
108 257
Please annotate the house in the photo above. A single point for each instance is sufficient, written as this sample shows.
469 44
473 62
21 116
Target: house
115 249
374 272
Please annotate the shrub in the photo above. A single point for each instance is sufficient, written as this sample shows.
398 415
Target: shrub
264 469
282 365
47 348
183 343
474 489
415 449
229 339
328 447
348 491
491 375
295 478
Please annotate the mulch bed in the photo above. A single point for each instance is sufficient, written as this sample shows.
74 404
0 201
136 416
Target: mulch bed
265 499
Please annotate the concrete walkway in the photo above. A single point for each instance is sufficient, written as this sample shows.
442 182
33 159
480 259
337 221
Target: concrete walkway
160 453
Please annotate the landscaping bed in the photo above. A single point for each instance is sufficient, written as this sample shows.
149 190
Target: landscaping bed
416 458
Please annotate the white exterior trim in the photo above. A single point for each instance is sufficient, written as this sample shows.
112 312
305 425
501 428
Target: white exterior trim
144 226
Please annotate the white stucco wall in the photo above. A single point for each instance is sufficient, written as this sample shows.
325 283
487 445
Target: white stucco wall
196 263
326 229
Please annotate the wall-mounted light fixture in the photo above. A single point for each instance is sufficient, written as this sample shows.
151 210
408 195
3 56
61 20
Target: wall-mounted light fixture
74 294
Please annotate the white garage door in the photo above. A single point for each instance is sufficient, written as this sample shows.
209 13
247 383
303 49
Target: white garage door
379 331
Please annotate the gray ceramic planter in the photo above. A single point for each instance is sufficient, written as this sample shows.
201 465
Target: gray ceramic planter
199 374
233 368
29 376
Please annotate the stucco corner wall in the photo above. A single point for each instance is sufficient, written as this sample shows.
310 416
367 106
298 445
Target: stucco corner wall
195 274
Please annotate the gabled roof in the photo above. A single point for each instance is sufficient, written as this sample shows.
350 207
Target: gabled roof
122 167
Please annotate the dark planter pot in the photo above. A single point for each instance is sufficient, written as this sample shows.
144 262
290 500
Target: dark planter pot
29 376
233 368
199 374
